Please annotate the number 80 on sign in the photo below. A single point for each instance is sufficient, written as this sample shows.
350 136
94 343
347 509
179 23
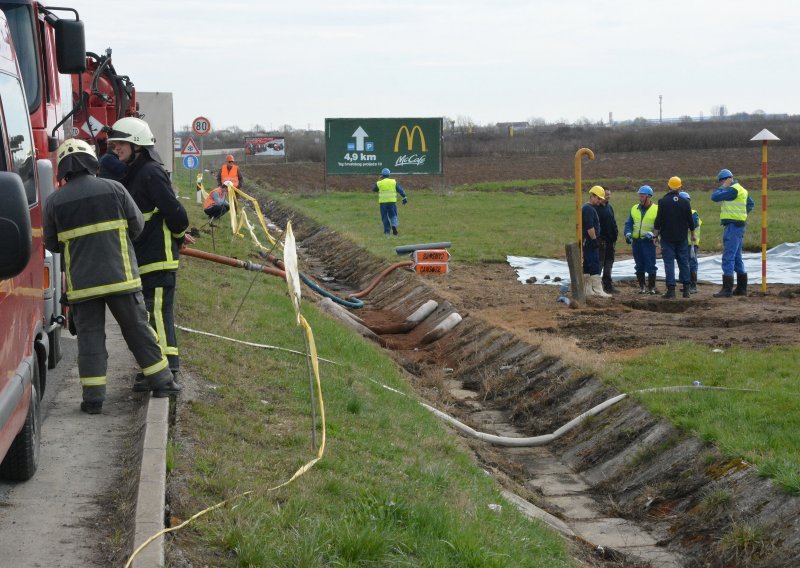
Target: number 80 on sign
201 126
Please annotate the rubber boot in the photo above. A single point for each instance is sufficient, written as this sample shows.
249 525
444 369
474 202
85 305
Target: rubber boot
686 291
651 284
588 289
741 284
597 286
608 286
693 283
93 397
670 293
640 279
727 287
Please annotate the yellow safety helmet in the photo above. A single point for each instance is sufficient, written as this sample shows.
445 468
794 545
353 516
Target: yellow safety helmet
674 182
74 146
598 191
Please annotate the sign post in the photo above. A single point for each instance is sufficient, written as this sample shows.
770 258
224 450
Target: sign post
190 150
764 136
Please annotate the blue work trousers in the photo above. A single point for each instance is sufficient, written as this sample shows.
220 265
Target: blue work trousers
389 216
644 256
591 257
670 252
732 237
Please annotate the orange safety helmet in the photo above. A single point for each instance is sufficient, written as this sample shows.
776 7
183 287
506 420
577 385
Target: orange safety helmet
229 158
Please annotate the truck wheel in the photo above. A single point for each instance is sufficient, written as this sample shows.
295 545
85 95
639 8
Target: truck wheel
55 348
23 456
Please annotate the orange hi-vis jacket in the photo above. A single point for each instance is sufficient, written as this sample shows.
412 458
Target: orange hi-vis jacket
230 174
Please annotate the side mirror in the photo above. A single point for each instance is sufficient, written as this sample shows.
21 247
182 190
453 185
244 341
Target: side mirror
16 245
46 179
70 46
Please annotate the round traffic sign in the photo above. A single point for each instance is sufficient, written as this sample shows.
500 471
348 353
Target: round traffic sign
190 162
201 126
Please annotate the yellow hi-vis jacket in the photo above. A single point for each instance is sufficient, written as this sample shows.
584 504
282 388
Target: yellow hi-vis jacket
696 230
643 223
735 210
387 190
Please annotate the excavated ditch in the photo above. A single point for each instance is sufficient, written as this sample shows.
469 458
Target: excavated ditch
630 485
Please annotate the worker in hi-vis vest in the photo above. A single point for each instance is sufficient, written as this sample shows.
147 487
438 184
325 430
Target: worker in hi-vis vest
733 217
230 172
387 190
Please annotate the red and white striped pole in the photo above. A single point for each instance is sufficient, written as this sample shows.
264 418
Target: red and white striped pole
764 137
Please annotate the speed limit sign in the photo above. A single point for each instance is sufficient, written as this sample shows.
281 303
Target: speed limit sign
201 126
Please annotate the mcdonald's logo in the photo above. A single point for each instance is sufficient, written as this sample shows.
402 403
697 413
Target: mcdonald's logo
410 137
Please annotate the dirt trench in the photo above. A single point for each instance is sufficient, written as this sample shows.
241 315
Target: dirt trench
646 493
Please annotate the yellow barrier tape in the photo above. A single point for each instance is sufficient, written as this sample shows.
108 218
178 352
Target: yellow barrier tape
293 283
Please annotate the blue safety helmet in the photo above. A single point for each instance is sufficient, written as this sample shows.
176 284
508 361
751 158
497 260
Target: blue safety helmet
645 190
685 195
724 174
385 172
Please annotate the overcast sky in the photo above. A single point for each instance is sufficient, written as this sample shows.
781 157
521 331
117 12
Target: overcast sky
299 62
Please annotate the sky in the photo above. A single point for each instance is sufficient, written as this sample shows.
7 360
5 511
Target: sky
298 62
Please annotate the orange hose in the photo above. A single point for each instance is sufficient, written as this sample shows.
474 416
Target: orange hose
235 262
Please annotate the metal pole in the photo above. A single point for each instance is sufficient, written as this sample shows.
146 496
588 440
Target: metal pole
764 216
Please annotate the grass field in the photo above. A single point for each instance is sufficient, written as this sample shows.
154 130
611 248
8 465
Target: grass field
486 226
394 488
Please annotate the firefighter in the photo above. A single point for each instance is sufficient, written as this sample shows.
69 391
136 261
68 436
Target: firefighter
733 217
216 202
639 234
387 190
694 246
157 248
91 222
230 172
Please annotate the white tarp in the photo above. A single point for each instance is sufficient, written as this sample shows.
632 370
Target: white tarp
783 267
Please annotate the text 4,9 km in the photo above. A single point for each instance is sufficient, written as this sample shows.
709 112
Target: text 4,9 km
360 157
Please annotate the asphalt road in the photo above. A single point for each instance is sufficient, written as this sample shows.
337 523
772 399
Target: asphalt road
61 516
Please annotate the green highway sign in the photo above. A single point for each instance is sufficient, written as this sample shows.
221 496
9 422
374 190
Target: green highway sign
356 146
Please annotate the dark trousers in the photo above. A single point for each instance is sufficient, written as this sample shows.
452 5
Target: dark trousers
644 256
672 251
591 258
216 211
90 324
607 251
159 301
388 216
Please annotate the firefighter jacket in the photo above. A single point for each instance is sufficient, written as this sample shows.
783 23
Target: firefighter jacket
231 174
91 222
166 221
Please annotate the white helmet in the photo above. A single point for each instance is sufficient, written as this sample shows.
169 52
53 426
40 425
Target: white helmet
133 130
73 146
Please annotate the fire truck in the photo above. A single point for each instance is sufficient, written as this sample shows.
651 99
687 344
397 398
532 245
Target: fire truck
35 46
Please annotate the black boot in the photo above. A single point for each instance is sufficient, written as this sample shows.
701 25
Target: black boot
727 287
693 283
640 279
686 291
651 284
608 287
93 397
670 293
741 284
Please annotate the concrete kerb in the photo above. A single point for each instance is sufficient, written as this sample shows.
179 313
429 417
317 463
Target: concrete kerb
151 494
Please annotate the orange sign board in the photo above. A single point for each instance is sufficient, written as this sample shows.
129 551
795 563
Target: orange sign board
432 268
431 255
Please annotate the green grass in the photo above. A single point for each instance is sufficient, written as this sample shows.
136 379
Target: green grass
762 427
487 226
394 488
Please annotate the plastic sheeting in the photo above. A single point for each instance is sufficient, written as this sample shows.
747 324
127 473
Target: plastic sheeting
783 267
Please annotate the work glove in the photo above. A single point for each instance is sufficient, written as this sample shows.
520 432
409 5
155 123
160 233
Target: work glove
628 238
649 235
405 201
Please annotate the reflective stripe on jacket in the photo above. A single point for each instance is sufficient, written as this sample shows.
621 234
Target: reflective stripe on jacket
643 223
696 229
89 220
735 210
230 174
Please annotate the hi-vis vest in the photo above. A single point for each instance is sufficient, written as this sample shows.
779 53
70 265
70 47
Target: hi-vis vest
387 190
696 230
735 210
209 200
230 174
643 223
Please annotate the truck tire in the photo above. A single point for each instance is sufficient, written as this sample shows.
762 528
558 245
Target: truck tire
23 456
55 348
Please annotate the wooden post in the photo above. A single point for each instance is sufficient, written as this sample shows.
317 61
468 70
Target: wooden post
575 271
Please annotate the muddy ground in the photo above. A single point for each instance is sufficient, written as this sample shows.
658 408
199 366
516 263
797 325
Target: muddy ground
636 167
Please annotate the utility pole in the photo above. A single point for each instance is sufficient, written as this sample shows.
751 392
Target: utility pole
660 116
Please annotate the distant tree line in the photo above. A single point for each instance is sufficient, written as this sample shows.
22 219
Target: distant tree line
462 138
